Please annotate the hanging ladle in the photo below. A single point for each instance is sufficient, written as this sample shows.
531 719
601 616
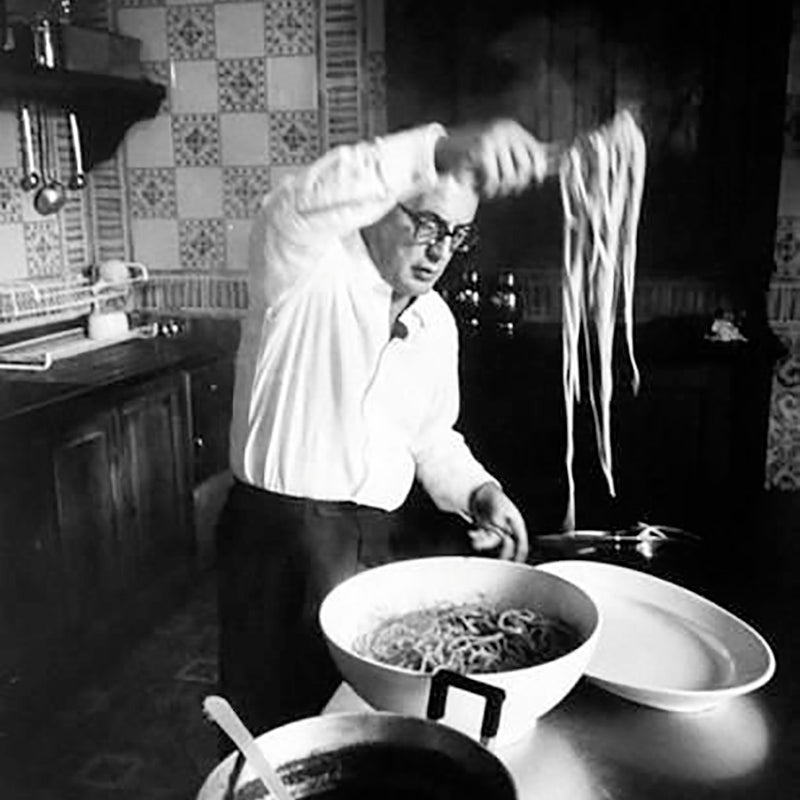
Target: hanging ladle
78 179
51 195
30 178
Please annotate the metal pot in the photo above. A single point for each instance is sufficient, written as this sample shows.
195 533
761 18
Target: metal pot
365 756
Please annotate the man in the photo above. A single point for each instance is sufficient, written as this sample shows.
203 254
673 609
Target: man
346 391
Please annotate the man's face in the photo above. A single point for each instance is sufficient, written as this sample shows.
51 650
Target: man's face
412 268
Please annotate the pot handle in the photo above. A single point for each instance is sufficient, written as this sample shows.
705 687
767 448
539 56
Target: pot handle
494 696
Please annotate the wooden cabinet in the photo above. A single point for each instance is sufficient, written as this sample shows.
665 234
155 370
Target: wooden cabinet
96 531
87 523
211 390
31 599
211 397
155 506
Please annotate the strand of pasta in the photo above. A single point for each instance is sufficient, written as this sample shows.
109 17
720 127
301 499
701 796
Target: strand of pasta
601 180
468 638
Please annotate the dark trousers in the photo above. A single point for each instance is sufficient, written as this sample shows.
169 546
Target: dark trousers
278 556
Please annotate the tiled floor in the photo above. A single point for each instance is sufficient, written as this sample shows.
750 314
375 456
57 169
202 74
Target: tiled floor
137 733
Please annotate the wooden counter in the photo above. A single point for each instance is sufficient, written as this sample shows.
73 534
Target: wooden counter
101 460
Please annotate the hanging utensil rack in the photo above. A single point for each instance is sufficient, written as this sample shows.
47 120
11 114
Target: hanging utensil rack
24 303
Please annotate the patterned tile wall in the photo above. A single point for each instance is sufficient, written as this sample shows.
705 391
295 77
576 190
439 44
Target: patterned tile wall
783 442
255 90
242 108
92 224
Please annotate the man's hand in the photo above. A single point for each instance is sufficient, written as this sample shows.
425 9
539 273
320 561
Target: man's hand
500 158
492 511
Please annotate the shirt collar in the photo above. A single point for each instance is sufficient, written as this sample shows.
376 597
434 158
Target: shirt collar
415 315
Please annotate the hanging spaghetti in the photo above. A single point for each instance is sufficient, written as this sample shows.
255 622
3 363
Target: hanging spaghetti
601 178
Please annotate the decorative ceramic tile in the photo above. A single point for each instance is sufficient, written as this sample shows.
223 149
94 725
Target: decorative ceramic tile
791 128
202 244
159 72
140 3
152 193
10 196
154 242
783 301
242 84
783 434
9 139
43 248
14 263
245 139
244 188
293 136
240 30
190 32
194 87
109 771
292 83
787 247
196 139
789 197
376 79
109 210
342 89
290 27
374 25
237 238
148 25
199 191
149 143
76 243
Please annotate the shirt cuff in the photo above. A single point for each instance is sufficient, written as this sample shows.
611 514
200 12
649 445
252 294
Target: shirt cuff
407 159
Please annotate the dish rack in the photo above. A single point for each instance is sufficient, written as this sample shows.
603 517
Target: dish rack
33 303
44 300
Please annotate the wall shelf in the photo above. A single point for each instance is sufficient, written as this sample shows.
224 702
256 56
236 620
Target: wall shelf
106 105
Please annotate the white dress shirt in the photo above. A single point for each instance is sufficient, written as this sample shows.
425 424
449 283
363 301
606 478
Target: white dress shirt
327 405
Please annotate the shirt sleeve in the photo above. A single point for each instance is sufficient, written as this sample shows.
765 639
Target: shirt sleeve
445 466
350 187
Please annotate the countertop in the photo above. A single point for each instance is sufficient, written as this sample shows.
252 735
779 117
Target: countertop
201 341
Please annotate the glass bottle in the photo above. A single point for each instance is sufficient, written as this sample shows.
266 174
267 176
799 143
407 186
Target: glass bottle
506 304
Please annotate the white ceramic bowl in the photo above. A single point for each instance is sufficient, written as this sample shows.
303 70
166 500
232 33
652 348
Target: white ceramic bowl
360 603
107 324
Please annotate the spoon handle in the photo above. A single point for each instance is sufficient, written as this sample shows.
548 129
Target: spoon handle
219 710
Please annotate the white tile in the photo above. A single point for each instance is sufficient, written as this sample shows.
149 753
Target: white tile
239 30
237 235
292 83
155 243
149 143
376 25
194 86
199 192
244 139
278 173
9 139
29 213
789 198
13 263
149 25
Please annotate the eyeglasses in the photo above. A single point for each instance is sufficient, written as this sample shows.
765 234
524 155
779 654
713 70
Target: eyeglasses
430 228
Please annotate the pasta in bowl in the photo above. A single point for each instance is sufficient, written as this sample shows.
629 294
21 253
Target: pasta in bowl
509 625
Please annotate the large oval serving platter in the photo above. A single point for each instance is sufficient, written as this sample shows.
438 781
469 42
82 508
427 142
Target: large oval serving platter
665 646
